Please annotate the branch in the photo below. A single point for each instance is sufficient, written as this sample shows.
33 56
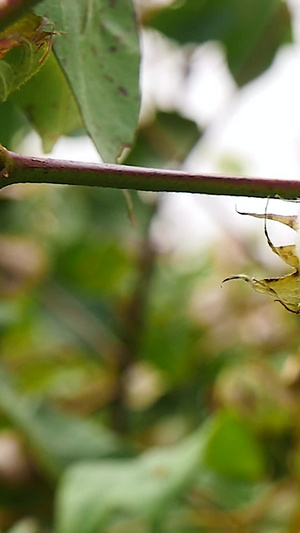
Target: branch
11 10
15 168
132 323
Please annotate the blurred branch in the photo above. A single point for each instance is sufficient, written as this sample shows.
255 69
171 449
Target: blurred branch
132 322
15 168
11 10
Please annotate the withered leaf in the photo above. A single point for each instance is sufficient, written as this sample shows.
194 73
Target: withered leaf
24 47
285 289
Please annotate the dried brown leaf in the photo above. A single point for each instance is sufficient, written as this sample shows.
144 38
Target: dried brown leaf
285 289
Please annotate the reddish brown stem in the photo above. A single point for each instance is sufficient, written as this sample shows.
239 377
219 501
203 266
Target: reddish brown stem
15 168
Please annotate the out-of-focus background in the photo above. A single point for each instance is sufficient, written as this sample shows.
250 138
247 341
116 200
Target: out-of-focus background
119 341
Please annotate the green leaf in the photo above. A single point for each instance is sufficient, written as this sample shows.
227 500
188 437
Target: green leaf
166 141
57 439
99 53
90 494
233 450
93 494
48 103
251 31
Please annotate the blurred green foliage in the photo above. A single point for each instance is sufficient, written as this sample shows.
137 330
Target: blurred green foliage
135 393
250 31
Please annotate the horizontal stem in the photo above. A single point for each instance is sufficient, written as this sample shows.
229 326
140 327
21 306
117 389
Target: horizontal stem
15 168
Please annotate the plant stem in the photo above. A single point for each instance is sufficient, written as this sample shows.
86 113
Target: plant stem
15 168
11 10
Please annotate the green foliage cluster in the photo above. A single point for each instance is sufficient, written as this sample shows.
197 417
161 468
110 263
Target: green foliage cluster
135 394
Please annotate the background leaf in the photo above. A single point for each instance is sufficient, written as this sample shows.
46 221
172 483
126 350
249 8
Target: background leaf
165 141
138 487
233 449
251 31
145 486
57 439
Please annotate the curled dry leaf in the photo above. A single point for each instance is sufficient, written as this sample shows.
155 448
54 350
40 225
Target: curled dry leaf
286 289
24 47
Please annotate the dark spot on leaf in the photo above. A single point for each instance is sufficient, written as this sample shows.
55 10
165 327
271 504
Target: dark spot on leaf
94 50
109 78
113 3
112 49
122 90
